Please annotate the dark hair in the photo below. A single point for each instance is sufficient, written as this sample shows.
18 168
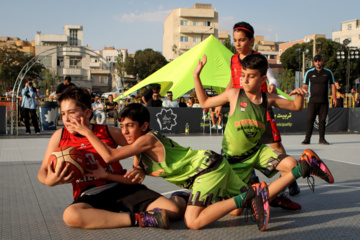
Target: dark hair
136 112
68 78
245 28
80 95
255 61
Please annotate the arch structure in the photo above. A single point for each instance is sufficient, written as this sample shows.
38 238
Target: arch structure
16 89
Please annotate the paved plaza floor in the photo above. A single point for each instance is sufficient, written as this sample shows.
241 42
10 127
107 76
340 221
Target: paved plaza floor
30 210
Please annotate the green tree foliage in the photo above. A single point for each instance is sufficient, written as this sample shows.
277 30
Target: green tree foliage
120 67
48 79
286 81
328 49
144 63
230 46
11 62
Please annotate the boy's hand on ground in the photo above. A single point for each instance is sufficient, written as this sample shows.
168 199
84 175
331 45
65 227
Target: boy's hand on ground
99 173
200 66
298 91
137 175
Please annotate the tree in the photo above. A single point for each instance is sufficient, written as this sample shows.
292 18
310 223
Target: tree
11 62
48 79
286 81
120 67
227 43
144 63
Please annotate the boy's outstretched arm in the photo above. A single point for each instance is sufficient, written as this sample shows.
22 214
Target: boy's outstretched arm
296 105
109 155
204 100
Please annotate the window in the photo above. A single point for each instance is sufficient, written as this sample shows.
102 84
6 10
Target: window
73 37
75 62
349 26
196 39
108 58
207 23
184 22
60 62
104 79
196 23
184 39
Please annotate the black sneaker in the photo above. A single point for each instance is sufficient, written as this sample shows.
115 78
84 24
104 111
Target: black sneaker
156 218
294 189
323 142
260 205
305 142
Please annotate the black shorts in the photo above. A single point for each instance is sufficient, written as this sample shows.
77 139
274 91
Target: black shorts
122 197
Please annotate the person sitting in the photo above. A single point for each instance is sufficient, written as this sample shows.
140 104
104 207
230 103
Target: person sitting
154 101
98 110
112 109
170 103
182 102
214 118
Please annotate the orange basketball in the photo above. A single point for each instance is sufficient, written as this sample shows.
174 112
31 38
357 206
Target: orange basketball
71 156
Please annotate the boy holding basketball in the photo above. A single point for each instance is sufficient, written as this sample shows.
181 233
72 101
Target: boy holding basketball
98 202
246 124
206 173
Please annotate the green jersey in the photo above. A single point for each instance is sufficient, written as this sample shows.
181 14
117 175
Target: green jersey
245 127
181 164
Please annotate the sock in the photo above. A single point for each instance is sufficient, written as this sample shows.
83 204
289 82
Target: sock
243 198
296 172
135 217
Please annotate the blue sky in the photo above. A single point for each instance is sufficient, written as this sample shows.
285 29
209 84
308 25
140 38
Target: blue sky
136 24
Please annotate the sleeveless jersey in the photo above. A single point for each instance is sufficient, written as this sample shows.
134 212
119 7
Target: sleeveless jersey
83 144
236 72
181 164
245 126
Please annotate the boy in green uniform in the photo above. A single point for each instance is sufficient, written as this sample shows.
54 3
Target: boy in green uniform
206 173
246 124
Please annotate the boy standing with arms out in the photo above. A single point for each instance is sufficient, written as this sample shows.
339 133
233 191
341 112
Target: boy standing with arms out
206 173
98 202
246 124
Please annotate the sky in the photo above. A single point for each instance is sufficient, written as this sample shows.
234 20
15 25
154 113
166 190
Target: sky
137 25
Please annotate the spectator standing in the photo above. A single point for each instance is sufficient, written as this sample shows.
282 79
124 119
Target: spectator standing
170 103
98 110
112 109
29 107
355 97
182 102
155 101
319 79
340 95
62 86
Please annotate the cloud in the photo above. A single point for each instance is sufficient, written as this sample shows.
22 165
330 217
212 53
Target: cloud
156 16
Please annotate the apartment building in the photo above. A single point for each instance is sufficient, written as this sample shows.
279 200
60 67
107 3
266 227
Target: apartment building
267 48
22 45
186 27
349 30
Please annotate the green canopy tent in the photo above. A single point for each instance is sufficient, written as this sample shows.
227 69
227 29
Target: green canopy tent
177 76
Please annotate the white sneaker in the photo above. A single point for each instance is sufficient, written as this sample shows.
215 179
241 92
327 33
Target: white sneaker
219 127
213 127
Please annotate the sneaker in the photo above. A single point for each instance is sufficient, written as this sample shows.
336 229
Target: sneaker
305 142
213 127
156 218
27 133
284 202
323 142
220 127
260 205
294 189
311 164
38 133
184 195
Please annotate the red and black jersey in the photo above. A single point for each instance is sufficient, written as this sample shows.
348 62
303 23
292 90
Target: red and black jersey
91 155
236 72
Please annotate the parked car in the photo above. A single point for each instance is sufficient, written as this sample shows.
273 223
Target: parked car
115 93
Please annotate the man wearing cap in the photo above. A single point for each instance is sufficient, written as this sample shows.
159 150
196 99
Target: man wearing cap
318 80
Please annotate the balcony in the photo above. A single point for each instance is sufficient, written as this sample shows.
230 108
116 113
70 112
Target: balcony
197 29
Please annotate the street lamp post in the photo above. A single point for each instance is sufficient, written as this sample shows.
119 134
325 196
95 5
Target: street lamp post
205 32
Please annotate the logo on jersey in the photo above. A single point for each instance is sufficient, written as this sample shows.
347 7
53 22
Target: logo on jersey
82 145
243 104
166 119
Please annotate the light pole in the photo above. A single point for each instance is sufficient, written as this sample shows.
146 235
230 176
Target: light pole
301 73
205 32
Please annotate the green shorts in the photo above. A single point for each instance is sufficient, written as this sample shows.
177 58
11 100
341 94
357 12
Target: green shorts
219 183
265 160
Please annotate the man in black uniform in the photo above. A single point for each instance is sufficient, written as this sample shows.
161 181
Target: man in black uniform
62 86
318 80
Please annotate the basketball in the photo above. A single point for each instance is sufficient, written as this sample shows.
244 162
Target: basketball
71 156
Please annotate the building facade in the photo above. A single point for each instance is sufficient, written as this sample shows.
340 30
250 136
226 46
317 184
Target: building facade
349 30
22 45
186 27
